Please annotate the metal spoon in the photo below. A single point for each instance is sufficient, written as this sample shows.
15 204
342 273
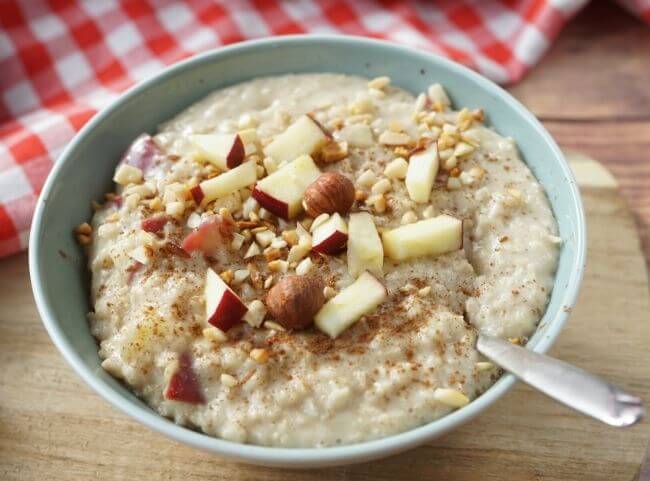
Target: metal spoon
565 383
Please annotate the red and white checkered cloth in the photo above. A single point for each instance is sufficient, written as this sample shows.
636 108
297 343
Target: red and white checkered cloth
63 60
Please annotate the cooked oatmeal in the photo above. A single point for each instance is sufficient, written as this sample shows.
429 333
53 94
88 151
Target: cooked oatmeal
305 260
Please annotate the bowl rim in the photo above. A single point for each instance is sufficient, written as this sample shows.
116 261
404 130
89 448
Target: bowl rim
301 457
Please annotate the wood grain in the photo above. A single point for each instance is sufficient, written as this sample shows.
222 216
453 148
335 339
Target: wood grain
592 91
53 427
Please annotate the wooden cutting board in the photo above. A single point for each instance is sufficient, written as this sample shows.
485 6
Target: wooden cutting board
53 427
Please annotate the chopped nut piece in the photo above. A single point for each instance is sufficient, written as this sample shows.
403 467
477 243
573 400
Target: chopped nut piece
376 93
388 137
450 397
156 204
367 179
215 334
304 267
272 254
290 237
437 94
466 178
268 282
409 217
259 355
451 163
397 168
227 276
463 149
402 151
381 187
84 228
477 173
378 202
264 237
253 250
278 266
363 105
278 243
484 366
453 183
428 212
228 380
237 241
274 326
84 239
333 152
270 165
175 209
455 172
329 292
240 275
425 291
420 103
360 196
127 174
379 82
256 312
555 239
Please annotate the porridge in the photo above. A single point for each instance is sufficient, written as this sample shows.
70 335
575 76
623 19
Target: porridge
305 260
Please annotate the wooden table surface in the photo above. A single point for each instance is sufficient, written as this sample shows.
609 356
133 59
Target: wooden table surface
592 92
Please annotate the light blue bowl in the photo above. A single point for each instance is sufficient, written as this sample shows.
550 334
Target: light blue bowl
84 171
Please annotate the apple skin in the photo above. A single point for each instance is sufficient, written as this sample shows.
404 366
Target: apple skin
332 244
184 385
154 224
212 235
237 153
197 194
142 152
273 205
229 311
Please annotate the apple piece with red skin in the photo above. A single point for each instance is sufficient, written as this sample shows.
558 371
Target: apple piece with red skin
213 235
223 307
226 151
281 193
226 183
330 237
184 385
142 153
154 224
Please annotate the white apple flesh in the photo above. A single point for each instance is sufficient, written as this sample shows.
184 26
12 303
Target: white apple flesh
421 173
226 183
281 193
223 307
330 237
429 237
304 136
360 298
365 250
226 151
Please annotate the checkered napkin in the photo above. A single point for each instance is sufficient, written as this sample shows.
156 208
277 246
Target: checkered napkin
63 60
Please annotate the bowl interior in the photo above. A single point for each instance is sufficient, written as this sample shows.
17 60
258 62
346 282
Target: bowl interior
84 172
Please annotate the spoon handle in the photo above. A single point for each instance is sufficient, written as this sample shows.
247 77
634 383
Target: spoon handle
565 383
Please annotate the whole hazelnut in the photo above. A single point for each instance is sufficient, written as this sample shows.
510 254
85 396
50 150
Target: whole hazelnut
294 300
330 192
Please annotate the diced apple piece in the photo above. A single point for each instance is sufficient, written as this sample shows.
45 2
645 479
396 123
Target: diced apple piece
429 237
421 173
226 151
365 250
183 385
282 192
226 183
213 235
142 153
304 136
330 237
154 224
358 299
223 307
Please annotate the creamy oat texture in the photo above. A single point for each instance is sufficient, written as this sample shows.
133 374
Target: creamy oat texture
380 376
